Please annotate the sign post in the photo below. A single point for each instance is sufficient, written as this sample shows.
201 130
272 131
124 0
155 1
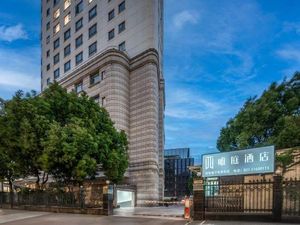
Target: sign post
243 162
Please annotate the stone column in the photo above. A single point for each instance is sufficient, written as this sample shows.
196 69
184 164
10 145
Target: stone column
277 198
199 199
108 200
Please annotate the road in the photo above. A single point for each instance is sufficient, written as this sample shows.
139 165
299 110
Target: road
12 217
236 223
19 217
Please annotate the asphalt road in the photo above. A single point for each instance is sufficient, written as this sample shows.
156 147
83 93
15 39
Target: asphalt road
236 223
36 218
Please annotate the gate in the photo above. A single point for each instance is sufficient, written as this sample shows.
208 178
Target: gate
255 196
272 199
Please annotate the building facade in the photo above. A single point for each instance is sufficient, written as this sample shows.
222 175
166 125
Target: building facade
113 51
177 174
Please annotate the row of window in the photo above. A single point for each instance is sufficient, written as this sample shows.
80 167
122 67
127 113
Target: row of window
92 32
78 40
78 57
67 4
67 19
79 9
94 78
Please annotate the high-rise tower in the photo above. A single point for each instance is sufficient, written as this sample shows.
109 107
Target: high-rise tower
113 50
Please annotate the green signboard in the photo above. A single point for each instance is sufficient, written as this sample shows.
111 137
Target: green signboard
243 162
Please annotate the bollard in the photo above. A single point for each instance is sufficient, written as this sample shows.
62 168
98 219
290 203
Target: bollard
187 208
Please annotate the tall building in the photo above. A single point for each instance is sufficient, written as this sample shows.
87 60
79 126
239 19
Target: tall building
177 173
113 51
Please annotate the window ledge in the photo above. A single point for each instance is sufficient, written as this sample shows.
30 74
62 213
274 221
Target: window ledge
92 85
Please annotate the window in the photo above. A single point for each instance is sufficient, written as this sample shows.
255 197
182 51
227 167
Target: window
48 12
67 19
78 41
67 4
56 28
48 67
93 12
67 50
67 34
78 87
93 48
79 58
78 24
56 73
102 75
111 34
111 15
93 30
56 14
48 53
67 66
56 59
48 40
96 98
55 2
103 101
122 27
79 7
122 7
48 80
48 26
94 79
56 44
122 46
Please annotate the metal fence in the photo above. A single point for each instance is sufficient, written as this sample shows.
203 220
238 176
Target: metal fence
45 199
291 197
253 197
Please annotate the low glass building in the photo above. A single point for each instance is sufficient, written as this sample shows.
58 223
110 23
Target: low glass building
177 173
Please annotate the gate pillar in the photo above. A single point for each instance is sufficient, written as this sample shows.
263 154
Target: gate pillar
108 200
277 198
199 199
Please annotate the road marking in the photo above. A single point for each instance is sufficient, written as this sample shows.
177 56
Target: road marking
198 224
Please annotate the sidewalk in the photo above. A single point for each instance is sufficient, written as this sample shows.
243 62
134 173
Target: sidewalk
171 211
8 215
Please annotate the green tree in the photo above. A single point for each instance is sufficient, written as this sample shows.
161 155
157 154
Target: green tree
82 137
25 126
271 119
60 133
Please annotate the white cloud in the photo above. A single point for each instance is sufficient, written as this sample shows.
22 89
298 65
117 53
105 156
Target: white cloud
289 53
19 80
12 33
20 69
187 104
291 27
184 18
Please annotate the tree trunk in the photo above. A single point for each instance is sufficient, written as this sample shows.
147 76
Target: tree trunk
11 194
37 180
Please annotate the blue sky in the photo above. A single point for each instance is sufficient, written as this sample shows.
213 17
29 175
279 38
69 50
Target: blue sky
217 54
